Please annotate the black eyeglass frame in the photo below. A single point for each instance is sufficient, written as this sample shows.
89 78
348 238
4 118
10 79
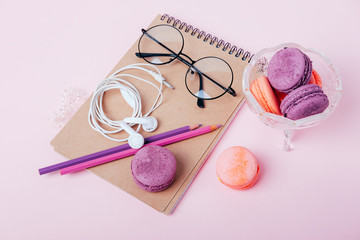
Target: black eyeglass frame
190 63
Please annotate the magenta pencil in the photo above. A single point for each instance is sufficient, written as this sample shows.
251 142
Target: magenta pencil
129 152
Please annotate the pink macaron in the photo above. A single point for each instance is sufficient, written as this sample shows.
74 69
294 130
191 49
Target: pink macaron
237 167
153 168
304 101
289 69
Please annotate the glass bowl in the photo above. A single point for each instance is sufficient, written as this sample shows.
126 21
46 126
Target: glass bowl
331 85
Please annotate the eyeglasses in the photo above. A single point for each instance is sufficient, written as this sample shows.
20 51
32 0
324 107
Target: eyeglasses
207 78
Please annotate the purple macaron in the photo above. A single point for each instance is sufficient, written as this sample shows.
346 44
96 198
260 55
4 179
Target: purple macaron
153 168
289 69
304 101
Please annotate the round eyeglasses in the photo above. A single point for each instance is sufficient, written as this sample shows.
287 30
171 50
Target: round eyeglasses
207 78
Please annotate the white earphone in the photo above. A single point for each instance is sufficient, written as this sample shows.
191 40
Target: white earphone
135 139
132 96
149 124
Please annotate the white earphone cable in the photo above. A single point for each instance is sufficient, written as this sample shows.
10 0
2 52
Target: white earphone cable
96 115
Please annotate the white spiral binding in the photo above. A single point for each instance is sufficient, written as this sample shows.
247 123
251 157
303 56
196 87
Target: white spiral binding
213 39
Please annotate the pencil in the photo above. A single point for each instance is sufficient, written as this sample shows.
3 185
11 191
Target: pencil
116 149
129 152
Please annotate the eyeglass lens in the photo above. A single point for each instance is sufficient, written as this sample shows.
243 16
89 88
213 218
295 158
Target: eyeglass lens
208 77
161 44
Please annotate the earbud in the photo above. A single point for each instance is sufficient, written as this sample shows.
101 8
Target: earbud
149 124
135 140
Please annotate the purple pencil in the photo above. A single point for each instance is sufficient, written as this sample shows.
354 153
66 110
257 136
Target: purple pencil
113 150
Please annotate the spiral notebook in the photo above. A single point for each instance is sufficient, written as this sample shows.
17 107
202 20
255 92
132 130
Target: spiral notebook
178 109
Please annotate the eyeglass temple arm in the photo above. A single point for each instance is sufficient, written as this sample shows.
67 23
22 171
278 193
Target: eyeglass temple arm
144 55
200 101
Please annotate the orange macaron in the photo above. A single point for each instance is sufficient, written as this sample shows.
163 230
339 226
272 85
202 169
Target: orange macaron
265 96
237 167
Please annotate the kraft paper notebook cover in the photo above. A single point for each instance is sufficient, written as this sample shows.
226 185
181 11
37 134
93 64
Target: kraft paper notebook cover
178 109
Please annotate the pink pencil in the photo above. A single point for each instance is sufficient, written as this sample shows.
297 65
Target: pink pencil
126 153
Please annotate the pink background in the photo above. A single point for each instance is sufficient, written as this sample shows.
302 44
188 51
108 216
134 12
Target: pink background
46 47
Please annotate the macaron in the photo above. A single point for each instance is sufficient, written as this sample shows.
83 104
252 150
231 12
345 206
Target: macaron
304 101
315 78
288 69
237 167
153 168
265 96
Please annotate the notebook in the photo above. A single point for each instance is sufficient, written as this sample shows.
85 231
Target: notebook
178 109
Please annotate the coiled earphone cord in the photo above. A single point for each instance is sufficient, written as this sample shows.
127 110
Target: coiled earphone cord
132 96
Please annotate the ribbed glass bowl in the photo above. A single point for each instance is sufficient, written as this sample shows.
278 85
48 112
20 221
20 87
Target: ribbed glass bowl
331 85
